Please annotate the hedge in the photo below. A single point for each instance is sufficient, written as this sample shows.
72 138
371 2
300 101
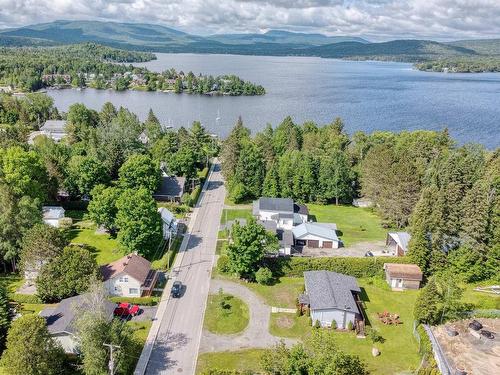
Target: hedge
143 301
24 298
357 267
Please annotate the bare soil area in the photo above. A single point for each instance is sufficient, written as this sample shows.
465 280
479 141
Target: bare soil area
477 356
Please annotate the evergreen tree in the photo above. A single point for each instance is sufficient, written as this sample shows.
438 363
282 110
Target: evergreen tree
231 149
335 177
427 304
271 187
250 169
4 316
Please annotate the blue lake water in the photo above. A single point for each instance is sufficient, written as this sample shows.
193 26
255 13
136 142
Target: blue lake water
368 96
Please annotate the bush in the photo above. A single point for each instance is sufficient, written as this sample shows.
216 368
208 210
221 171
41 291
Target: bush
24 298
334 324
374 335
357 267
143 301
194 195
264 276
223 264
186 199
65 223
317 324
310 321
350 326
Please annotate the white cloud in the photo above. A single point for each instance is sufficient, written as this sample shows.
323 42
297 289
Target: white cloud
375 19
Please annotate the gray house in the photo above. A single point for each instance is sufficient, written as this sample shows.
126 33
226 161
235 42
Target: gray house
332 296
61 320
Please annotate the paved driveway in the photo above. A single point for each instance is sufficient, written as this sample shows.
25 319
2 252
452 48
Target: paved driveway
177 342
256 335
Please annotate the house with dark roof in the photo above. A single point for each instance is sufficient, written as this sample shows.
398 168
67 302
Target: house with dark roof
332 296
283 211
130 276
403 276
61 320
397 242
171 188
316 235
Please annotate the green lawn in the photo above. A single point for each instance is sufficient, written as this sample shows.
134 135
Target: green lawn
242 360
354 224
229 214
106 248
480 300
226 314
282 294
289 325
221 247
11 283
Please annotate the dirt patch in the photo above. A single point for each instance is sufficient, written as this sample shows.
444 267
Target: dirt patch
476 356
284 322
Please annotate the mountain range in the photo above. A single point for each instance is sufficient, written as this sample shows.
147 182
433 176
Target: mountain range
157 38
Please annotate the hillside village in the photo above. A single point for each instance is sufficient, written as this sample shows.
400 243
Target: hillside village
297 240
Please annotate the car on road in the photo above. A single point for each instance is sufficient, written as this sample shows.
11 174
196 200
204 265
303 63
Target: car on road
176 289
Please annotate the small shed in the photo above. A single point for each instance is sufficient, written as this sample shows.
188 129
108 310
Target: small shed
171 189
403 276
397 242
52 215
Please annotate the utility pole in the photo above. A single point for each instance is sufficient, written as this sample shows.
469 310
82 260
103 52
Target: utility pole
111 358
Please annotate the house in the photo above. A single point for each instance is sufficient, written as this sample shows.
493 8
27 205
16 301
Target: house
171 188
316 235
403 276
52 215
169 223
55 129
130 276
398 242
283 211
332 296
61 320
285 236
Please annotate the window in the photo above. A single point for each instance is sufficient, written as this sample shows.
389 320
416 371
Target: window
133 291
123 279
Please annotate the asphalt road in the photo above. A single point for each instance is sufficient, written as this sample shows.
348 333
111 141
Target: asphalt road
176 347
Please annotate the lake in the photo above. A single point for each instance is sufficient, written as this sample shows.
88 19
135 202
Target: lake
368 96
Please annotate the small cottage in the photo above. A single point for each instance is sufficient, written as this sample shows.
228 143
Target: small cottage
403 276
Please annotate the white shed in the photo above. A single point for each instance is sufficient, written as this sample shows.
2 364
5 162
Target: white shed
52 215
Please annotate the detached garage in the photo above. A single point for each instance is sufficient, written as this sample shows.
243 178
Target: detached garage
316 236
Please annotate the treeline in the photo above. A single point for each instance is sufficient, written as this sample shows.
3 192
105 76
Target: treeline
462 65
445 195
93 65
103 158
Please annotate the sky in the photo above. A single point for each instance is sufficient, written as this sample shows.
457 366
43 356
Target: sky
373 19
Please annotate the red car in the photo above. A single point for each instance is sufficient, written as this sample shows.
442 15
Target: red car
124 309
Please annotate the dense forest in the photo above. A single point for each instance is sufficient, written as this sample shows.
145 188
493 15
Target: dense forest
92 65
446 195
461 65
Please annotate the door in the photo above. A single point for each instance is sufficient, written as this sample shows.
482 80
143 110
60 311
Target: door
327 244
400 283
313 243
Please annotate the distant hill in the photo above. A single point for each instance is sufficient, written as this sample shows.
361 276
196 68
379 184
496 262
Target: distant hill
156 38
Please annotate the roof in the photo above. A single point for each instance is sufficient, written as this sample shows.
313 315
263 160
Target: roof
132 265
172 186
61 318
323 230
270 225
274 204
300 209
166 216
57 126
401 238
52 212
331 290
285 237
403 271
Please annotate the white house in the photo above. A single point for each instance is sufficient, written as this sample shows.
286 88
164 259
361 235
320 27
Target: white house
61 320
52 215
130 276
55 129
316 235
169 223
331 297
283 211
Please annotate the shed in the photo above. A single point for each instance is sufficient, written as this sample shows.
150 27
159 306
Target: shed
398 242
52 215
403 276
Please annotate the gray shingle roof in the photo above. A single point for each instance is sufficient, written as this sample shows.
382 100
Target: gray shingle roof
171 186
323 230
62 317
57 126
275 204
331 290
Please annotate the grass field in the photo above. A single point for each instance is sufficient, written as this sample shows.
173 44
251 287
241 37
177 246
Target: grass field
353 223
229 214
282 294
225 314
480 300
289 325
242 360
106 248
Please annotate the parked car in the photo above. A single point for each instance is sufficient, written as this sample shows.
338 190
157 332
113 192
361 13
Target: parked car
176 289
125 309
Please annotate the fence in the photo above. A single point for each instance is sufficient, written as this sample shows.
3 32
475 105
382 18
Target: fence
439 356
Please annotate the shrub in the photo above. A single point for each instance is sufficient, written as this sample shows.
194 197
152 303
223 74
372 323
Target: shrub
195 194
264 276
334 324
350 326
310 321
223 264
24 298
143 301
317 324
186 199
374 335
65 223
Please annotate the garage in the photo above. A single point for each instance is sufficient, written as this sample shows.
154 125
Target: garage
327 244
313 243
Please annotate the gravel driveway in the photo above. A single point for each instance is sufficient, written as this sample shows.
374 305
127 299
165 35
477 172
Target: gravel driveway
256 335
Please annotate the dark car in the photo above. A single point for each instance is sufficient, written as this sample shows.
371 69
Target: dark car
176 289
